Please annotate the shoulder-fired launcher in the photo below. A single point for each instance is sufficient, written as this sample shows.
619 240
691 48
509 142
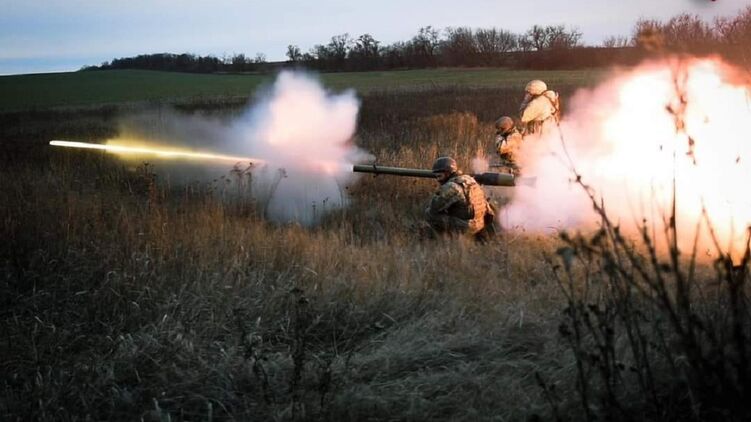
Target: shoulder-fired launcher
489 178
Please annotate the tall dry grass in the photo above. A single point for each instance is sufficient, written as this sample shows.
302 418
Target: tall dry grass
126 298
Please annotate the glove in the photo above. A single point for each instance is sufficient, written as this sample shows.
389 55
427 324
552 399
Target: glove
500 142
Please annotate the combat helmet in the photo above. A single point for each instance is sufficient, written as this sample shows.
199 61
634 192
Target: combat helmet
504 124
536 87
444 164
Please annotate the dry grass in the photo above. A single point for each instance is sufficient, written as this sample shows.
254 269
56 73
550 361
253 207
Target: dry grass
125 299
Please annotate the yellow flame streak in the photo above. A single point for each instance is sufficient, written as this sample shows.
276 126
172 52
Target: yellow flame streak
164 153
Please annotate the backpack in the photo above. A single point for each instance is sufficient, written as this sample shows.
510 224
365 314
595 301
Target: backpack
555 100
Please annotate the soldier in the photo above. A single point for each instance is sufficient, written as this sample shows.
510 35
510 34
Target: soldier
508 140
539 107
459 206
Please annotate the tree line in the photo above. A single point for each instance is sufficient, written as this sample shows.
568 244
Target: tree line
431 47
540 47
185 63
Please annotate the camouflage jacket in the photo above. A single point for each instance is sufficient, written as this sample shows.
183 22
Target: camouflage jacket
460 197
508 144
538 111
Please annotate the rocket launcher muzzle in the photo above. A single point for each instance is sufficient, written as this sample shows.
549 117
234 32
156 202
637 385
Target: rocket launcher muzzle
489 178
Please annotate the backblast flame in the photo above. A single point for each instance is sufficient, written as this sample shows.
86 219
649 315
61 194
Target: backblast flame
677 128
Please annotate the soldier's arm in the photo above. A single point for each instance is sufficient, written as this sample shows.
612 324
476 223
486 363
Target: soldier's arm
447 195
512 144
500 142
527 115
525 102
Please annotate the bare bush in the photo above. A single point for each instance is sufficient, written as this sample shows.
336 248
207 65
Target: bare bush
293 53
734 30
459 47
616 41
491 43
551 37
685 31
655 335
647 34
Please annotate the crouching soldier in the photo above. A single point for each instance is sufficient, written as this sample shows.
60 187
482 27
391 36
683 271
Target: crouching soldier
508 140
459 205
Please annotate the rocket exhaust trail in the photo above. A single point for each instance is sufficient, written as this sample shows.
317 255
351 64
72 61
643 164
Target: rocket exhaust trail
164 153
295 125
324 166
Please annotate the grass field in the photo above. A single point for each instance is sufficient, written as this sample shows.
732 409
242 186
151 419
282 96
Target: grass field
77 89
125 298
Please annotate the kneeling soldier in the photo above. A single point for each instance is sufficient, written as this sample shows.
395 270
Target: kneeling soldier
508 140
459 206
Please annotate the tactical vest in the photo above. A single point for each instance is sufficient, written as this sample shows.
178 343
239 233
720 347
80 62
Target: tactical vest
555 102
475 205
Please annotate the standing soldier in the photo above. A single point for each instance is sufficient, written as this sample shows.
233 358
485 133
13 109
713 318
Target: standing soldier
459 205
508 140
539 107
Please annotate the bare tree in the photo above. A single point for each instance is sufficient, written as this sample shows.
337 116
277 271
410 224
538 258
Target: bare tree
495 41
648 34
687 30
365 46
319 52
308 57
524 43
551 37
259 58
365 53
339 46
492 43
424 45
616 41
293 53
459 47
536 37
734 30
393 55
238 62
735 33
558 37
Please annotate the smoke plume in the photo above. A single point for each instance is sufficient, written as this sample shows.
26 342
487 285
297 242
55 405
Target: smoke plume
300 134
630 137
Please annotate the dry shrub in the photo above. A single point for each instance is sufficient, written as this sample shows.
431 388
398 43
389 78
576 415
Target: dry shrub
656 335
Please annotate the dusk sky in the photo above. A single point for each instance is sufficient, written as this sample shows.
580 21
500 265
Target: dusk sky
63 35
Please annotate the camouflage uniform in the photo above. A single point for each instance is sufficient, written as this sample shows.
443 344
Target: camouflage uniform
539 107
507 146
538 110
459 206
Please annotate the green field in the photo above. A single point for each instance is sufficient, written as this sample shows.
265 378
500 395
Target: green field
80 89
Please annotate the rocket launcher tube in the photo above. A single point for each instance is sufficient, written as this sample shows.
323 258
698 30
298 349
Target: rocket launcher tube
490 179
396 171
495 179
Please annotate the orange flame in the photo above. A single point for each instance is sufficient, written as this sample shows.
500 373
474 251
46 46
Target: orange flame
682 121
692 126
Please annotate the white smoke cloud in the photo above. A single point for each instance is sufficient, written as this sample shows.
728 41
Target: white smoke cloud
307 132
302 133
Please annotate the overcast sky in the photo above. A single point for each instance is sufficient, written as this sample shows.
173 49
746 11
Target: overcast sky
60 35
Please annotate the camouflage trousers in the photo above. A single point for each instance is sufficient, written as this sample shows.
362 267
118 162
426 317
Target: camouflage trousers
444 223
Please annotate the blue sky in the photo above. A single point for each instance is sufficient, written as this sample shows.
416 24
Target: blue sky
60 35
